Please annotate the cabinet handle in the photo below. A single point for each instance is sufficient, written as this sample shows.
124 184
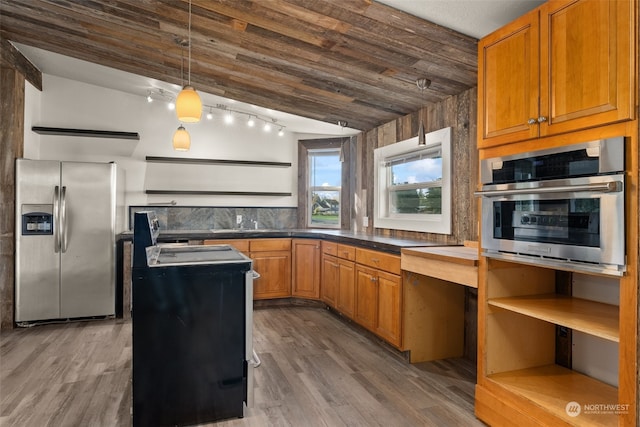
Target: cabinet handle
542 119
376 260
532 121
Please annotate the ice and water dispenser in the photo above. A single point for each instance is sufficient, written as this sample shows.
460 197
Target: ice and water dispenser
37 219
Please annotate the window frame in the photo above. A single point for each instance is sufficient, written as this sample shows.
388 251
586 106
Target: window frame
311 188
422 222
347 145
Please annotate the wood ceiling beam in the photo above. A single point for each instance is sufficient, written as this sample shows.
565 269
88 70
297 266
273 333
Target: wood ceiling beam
11 58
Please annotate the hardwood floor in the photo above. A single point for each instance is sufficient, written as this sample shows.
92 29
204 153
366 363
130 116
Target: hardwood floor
317 370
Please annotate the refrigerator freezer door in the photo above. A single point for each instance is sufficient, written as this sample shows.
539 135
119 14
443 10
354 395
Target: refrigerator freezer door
87 285
37 263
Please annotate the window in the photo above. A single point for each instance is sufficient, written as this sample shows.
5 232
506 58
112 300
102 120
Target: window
325 178
413 184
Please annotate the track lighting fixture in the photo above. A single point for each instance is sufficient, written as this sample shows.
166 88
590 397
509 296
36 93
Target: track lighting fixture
228 113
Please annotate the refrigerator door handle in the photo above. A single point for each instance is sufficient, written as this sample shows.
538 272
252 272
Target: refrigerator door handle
56 219
63 220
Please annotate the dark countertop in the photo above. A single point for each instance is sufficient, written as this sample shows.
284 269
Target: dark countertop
386 244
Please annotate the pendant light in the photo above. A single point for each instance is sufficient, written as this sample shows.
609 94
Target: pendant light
422 84
188 103
181 139
342 125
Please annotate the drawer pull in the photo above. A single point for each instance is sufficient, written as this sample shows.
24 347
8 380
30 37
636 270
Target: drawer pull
376 260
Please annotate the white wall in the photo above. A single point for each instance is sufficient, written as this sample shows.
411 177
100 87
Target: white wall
70 104
32 108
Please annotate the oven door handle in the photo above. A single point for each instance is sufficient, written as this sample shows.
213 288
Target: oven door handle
607 187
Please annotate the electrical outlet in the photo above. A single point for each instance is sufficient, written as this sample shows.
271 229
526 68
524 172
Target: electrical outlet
365 221
238 219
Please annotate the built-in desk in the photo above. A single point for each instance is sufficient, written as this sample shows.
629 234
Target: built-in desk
434 301
456 264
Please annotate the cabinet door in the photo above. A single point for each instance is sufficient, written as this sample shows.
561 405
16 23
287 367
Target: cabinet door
346 303
275 274
585 58
366 297
330 279
306 268
389 308
508 83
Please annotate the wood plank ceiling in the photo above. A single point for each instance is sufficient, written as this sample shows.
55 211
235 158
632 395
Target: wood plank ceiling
329 60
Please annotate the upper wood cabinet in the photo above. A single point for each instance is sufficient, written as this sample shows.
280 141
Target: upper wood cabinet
565 66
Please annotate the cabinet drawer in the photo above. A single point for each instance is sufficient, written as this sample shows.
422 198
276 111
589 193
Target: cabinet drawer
347 252
259 245
379 260
241 245
330 248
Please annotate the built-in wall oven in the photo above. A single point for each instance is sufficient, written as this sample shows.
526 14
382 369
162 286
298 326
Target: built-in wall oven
561 207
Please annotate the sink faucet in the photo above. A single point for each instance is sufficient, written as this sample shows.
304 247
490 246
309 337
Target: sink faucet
255 223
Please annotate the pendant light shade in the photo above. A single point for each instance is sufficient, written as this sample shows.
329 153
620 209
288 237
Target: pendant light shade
421 135
181 139
188 105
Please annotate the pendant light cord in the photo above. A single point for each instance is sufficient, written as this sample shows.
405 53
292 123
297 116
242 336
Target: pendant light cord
189 43
182 65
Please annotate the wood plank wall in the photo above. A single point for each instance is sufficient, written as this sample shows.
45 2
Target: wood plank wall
11 141
457 112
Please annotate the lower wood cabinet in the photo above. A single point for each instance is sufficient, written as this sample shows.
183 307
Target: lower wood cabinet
338 286
379 303
346 299
330 280
389 325
366 297
271 259
306 268
274 268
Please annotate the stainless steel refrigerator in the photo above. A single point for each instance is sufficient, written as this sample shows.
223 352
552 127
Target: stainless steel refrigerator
67 217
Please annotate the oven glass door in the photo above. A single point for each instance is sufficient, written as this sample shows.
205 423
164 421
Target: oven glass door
564 221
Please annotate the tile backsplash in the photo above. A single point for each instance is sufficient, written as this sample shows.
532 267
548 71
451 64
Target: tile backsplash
206 217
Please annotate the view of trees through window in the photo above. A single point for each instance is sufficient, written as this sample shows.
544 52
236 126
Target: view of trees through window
325 178
416 186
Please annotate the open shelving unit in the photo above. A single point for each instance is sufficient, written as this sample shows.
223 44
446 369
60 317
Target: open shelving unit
554 387
521 312
590 317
